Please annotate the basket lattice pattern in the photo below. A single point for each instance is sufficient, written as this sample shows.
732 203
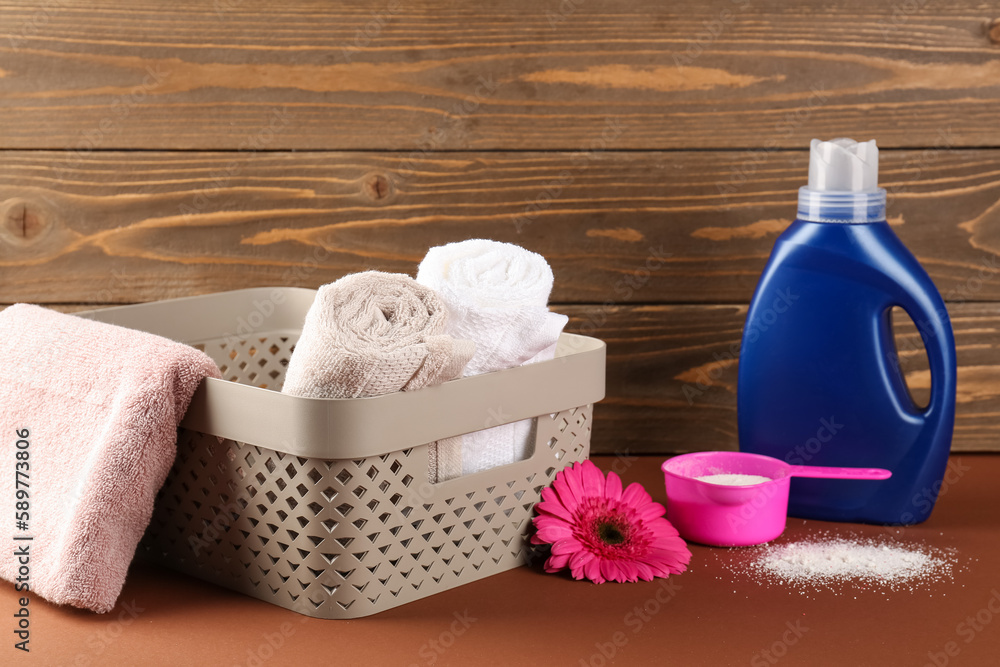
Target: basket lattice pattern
348 538
344 538
260 361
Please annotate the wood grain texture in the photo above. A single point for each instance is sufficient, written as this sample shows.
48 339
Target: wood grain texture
521 74
140 226
671 377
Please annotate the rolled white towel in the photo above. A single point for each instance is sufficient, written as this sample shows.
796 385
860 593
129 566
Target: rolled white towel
497 296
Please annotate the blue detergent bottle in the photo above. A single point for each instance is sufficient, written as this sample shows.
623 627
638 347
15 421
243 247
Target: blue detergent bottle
819 380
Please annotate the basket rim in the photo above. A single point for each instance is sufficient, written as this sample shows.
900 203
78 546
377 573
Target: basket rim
356 427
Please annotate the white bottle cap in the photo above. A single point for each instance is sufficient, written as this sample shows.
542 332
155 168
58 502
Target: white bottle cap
843 183
843 165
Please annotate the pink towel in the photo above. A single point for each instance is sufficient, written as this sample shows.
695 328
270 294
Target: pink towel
100 404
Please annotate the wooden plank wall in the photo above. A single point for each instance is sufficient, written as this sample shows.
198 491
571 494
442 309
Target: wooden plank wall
650 150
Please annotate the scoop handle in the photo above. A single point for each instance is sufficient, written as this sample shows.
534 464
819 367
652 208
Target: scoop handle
839 473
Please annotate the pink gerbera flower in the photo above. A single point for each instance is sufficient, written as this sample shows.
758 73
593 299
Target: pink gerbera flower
603 533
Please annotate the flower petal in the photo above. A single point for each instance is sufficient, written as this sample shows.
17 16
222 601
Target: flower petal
592 570
574 480
556 563
550 495
629 570
636 496
661 528
609 570
566 492
593 480
543 520
554 531
668 561
651 511
568 545
671 544
580 558
613 487
555 509
645 572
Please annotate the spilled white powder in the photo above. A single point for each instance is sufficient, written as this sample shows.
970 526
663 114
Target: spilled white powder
733 479
840 564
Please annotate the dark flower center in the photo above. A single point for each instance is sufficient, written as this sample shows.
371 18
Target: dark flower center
610 533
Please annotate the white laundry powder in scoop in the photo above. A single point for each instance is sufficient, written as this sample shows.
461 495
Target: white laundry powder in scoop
733 479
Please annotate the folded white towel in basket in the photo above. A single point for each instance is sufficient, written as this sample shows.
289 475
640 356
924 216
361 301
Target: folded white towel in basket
376 333
497 296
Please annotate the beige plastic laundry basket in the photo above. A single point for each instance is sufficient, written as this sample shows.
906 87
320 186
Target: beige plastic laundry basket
323 506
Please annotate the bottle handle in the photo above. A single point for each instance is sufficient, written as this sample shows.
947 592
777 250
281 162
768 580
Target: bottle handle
934 327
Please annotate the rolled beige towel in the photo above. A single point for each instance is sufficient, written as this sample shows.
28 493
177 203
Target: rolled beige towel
375 333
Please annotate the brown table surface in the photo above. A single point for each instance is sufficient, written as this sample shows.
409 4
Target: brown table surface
712 615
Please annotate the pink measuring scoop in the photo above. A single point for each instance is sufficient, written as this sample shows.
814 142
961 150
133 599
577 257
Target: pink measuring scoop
735 516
